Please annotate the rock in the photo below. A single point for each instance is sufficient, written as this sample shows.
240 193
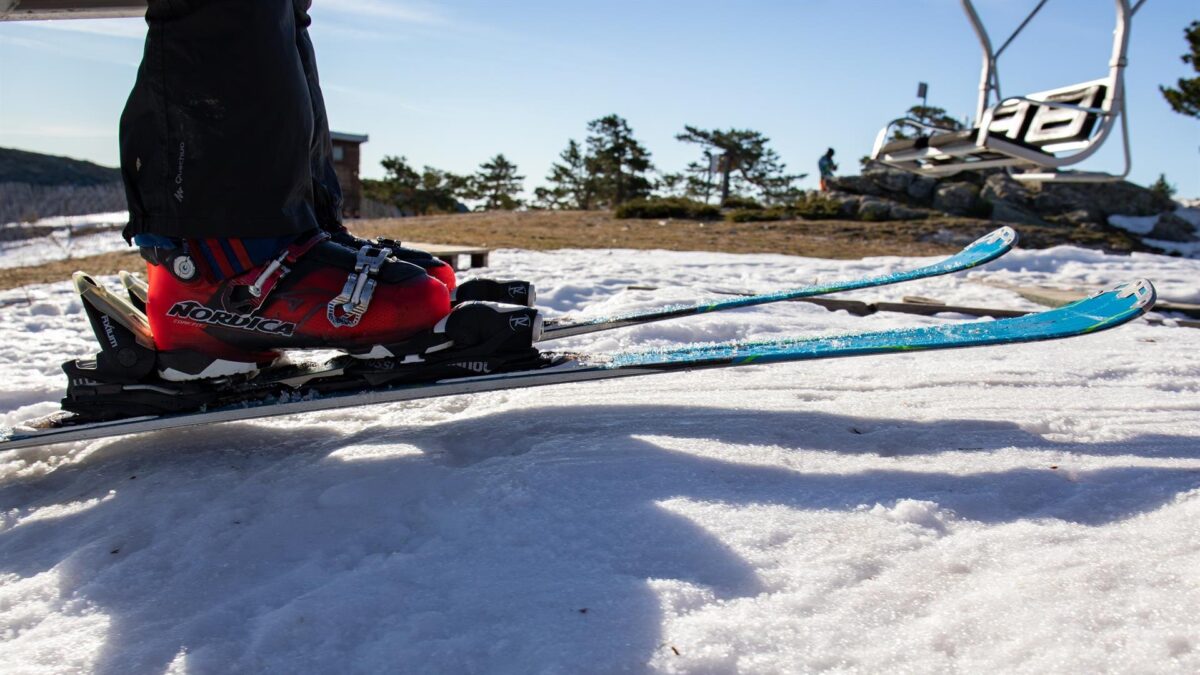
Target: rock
1009 213
850 205
859 185
1171 227
1190 212
956 198
1080 216
1002 187
1104 199
1053 200
921 188
874 209
902 212
891 180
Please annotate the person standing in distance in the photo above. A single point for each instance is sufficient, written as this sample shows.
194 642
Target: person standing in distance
826 167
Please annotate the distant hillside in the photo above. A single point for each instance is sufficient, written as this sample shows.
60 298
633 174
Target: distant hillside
32 168
33 186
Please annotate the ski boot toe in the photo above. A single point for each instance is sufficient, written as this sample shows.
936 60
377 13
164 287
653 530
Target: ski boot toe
519 293
423 259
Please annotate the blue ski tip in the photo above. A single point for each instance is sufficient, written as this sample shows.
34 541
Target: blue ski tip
987 248
1005 236
1142 289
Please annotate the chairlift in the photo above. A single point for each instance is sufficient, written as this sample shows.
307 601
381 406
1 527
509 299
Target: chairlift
25 10
1033 136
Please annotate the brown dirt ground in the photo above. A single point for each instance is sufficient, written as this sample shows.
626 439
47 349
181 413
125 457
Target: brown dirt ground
547 230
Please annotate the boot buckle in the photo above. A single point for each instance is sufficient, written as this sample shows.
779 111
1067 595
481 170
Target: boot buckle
348 308
245 293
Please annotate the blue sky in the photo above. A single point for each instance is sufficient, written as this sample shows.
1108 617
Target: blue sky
452 84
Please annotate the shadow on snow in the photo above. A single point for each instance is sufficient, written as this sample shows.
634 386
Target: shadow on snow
492 543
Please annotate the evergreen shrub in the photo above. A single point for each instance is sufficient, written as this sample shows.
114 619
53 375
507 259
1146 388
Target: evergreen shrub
667 207
816 206
757 215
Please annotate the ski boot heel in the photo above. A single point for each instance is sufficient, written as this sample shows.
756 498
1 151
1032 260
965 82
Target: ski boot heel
120 381
136 288
520 293
126 343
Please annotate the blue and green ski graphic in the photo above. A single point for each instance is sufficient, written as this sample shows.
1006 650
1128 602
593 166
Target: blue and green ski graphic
1098 312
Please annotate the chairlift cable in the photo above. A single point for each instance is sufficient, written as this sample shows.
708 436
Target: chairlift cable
1021 28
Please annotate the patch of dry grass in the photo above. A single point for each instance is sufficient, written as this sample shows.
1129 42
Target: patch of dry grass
547 230
544 230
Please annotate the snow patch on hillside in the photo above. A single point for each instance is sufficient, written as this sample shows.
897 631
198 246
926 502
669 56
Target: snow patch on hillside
71 237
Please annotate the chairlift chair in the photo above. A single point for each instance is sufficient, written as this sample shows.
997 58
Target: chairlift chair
1034 136
23 10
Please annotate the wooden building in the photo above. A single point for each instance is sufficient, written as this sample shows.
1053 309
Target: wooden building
346 162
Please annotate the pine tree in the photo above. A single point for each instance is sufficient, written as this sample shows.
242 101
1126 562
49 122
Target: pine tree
1163 188
497 185
769 176
741 161
572 185
1185 99
617 161
671 185
430 191
931 115
698 183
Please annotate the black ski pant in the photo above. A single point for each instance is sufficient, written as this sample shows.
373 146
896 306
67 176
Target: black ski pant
224 134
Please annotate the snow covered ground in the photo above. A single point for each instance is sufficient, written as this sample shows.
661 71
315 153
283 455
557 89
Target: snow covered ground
1032 508
1143 225
73 237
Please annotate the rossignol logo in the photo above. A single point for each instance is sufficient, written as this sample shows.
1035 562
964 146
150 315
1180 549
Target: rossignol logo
516 289
197 312
518 322
481 367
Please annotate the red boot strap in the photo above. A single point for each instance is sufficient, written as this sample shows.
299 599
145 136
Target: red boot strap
258 285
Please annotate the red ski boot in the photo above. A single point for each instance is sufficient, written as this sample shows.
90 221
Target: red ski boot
316 294
198 343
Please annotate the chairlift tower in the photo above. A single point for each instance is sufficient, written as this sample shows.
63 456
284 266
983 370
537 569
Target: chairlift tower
1034 137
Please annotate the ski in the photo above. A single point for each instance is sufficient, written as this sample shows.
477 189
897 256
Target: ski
983 250
1102 311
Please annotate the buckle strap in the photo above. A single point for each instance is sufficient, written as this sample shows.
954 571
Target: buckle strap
348 308
258 286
